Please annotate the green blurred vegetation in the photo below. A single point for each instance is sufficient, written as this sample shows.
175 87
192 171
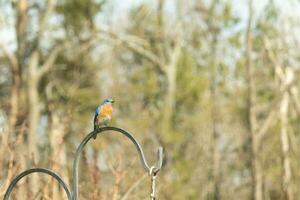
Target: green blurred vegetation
214 82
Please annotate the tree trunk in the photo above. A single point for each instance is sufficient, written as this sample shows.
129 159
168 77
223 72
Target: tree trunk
257 176
14 97
58 149
215 121
16 62
160 8
216 167
169 105
33 106
285 146
56 133
256 168
21 31
23 189
33 117
169 56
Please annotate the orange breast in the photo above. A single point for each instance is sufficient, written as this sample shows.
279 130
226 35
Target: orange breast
106 110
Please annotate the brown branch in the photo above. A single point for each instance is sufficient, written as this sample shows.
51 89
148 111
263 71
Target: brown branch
294 94
146 54
45 15
252 118
49 63
11 57
287 85
134 44
272 114
119 175
85 47
267 123
278 70
9 172
133 187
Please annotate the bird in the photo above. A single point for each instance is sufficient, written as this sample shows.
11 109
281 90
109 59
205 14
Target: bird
103 114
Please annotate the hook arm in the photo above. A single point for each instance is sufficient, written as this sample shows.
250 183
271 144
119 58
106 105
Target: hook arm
36 170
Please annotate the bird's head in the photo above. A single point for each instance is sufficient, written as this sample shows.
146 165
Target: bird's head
108 101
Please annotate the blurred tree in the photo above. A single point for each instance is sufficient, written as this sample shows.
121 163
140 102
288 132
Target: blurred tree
207 79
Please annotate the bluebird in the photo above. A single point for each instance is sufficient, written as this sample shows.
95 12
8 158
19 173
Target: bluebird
103 114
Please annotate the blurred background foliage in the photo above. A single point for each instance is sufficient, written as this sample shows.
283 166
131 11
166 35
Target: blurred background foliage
215 82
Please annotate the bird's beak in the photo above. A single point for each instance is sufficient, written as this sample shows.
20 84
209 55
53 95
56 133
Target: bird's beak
112 101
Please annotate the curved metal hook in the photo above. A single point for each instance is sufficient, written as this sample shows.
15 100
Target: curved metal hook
36 170
144 162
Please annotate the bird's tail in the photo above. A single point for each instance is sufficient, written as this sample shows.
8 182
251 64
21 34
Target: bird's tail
95 135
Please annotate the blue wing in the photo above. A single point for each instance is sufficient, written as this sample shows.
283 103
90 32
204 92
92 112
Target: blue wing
98 110
96 115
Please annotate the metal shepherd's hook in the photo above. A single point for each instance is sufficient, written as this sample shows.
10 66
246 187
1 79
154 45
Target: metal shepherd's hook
36 170
155 169
74 195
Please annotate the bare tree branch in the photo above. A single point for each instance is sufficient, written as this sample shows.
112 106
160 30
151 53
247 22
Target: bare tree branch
134 44
272 114
267 123
278 70
11 57
49 63
45 13
133 187
286 76
295 97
